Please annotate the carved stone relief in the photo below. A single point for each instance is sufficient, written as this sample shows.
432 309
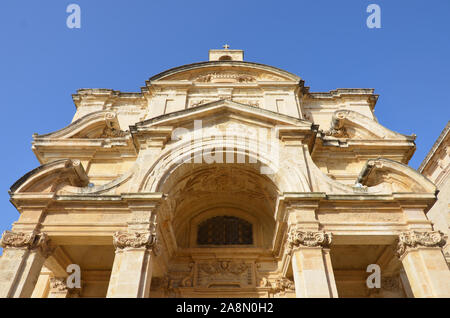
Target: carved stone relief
413 239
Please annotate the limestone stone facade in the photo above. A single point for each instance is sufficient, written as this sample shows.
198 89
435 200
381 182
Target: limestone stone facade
436 167
224 178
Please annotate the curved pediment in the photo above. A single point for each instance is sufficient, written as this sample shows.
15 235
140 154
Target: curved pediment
353 125
100 124
225 72
384 175
52 176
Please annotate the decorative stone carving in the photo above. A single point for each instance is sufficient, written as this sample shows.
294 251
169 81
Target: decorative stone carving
224 273
30 240
283 284
264 282
218 77
124 240
196 103
58 284
253 103
188 281
413 239
338 133
299 238
110 132
337 128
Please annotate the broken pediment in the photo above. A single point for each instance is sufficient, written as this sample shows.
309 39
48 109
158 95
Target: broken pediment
353 125
388 176
52 176
86 136
100 124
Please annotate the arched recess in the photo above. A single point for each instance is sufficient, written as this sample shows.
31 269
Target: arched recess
196 192
286 178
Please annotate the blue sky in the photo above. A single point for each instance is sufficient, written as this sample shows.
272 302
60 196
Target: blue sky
123 43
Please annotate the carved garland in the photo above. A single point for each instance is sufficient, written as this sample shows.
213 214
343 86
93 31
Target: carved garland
30 240
413 239
123 240
299 238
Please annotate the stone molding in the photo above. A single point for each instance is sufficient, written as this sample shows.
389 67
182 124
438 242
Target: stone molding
26 240
123 240
413 239
298 238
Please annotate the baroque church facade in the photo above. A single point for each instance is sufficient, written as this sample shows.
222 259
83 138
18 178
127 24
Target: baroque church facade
224 178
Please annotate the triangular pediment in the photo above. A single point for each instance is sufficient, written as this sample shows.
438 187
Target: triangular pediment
220 110
224 115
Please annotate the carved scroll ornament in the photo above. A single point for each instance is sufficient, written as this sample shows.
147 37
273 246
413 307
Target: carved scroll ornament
123 240
299 238
413 239
28 240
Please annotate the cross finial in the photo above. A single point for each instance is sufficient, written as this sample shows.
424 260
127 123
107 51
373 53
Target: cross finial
226 46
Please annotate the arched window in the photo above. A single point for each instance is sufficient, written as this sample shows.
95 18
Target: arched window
225 230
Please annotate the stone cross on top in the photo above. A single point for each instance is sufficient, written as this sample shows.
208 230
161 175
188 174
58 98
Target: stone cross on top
226 54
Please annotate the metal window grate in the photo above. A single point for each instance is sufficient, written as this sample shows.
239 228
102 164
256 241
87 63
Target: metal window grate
225 230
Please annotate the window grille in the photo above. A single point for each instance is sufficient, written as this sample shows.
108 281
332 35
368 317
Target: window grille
225 230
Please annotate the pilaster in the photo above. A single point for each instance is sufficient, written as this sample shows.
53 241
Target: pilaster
424 263
132 268
311 263
20 265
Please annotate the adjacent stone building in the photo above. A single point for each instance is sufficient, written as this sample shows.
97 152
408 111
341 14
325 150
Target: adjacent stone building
224 178
436 167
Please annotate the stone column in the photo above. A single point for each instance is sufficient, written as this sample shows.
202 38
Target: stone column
132 269
21 262
424 263
311 263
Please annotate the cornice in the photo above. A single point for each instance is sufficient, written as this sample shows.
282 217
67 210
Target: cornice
435 147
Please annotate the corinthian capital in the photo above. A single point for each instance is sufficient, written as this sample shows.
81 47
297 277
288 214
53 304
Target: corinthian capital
29 240
412 239
299 238
124 239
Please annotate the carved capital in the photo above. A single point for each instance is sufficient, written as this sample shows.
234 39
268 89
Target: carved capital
299 238
126 240
413 239
29 240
